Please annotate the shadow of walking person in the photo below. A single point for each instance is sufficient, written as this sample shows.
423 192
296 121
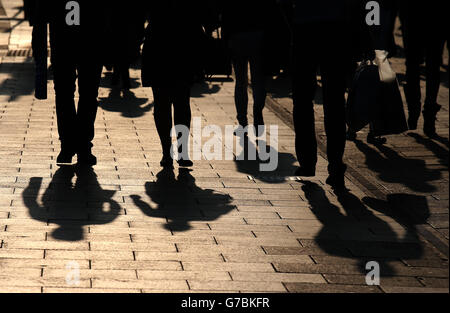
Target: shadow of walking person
394 168
347 231
71 206
125 102
253 160
17 79
439 151
181 201
205 88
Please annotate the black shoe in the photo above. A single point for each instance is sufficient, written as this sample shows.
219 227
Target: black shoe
429 126
126 84
376 140
413 120
337 182
65 157
166 162
259 123
351 136
185 163
305 172
238 132
87 159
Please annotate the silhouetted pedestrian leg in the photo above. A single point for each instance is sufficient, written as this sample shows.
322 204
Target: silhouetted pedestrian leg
319 45
247 49
241 92
423 31
75 126
179 97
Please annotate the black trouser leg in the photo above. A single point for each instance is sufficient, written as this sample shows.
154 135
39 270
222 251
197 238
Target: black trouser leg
433 54
240 65
89 75
182 117
304 87
258 84
64 72
334 112
163 117
315 46
412 36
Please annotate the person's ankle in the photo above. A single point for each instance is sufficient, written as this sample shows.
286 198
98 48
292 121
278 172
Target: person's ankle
185 163
306 171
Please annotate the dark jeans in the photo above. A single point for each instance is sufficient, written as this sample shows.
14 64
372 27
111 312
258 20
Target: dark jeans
75 125
246 49
319 45
165 97
423 33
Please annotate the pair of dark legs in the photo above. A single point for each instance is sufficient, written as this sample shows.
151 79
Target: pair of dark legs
423 33
371 138
382 38
247 49
121 73
75 123
176 96
318 45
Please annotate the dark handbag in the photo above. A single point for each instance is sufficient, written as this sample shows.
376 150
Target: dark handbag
371 101
388 116
217 59
362 97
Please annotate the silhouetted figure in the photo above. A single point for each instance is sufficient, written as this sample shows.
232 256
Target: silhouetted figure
127 35
319 42
244 26
71 205
171 62
373 42
77 43
424 29
345 232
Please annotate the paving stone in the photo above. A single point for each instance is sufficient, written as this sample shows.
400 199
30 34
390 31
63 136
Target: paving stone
361 280
140 284
413 290
277 277
226 227
238 286
89 290
183 275
319 288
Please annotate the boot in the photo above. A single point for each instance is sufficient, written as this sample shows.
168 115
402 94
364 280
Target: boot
429 116
66 155
337 177
86 158
376 140
414 107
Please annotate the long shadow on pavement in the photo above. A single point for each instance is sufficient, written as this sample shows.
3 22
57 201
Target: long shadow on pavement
440 152
181 201
71 206
394 168
126 102
343 232
20 81
248 164
207 87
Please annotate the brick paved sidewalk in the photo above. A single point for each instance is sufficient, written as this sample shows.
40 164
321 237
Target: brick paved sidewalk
411 171
229 229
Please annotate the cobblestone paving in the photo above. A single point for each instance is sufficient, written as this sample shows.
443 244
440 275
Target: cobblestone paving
222 227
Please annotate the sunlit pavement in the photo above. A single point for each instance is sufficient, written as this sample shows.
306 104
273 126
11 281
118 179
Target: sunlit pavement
128 226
